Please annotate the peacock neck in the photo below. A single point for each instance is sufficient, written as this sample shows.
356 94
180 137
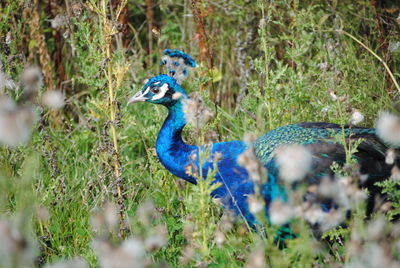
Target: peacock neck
172 151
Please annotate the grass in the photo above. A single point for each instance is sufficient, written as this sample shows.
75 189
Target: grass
70 169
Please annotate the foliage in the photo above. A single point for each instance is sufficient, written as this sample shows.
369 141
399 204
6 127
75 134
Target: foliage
273 63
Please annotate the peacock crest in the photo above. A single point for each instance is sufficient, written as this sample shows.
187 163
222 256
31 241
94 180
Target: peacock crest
177 64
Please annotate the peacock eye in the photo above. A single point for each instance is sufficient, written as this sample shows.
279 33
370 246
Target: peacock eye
155 90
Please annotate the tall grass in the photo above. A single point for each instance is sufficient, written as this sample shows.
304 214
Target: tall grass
274 63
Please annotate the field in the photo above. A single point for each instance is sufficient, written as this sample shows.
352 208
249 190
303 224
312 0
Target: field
80 181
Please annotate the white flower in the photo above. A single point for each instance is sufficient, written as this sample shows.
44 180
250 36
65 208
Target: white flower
388 128
294 162
53 99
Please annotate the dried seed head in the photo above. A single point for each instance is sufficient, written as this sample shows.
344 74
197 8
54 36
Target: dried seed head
129 254
226 223
15 249
211 137
188 229
219 238
43 213
376 227
76 9
331 219
6 81
356 117
111 215
59 21
313 214
388 128
158 239
374 255
7 104
74 263
333 95
249 138
390 156
256 204
15 122
250 162
53 99
218 156
257 258
281 213
196 113
262 23
324 66
394 46
395 173
294 162
327 188
187 255
32 79
146 212
106 218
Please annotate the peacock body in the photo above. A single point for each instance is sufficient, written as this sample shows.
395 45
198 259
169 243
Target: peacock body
237 186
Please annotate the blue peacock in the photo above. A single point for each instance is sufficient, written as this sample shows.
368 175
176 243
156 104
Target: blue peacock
237 186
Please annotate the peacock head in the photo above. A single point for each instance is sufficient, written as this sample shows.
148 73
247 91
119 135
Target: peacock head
161 89
165 89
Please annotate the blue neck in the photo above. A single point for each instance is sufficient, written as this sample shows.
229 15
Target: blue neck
172 151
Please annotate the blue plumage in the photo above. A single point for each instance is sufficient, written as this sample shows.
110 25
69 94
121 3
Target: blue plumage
175 154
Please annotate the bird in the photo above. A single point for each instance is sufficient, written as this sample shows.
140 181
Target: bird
319 139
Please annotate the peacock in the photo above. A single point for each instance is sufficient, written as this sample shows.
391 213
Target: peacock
317 138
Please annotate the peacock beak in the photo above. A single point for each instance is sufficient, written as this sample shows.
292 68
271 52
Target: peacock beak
138 97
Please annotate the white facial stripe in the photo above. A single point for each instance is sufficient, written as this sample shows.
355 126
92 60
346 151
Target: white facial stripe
144 93
156 83
163 89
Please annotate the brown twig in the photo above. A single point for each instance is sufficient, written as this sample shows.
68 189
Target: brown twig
383 45
150 23
205 52
33 17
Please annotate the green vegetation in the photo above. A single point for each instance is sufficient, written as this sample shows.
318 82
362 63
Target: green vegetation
82 183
